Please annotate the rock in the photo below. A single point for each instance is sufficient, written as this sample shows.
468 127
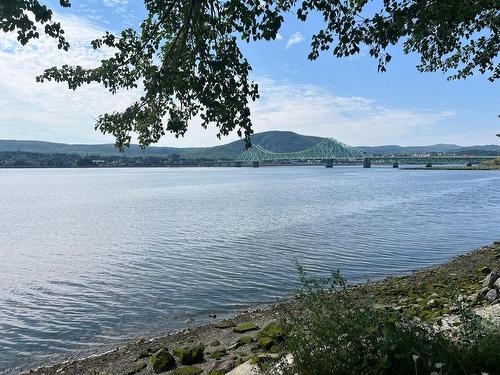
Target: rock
213 316
270 336
483 291
490 279
138 368
190 370
491 295
236 345
244 340
475 298
141 340
221 368
190 355
162 361
190 320
224 324
496 285
215 343
245 327
247 368
218 354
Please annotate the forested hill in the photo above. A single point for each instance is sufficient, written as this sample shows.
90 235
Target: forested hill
278 141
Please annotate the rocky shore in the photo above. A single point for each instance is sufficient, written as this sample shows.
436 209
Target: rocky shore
237 345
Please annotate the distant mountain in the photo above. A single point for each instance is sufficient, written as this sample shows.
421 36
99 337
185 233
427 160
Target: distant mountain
277 141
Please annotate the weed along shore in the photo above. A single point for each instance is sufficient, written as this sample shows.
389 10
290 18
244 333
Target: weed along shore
259 341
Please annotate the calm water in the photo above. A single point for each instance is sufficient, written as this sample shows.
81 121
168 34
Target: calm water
97 256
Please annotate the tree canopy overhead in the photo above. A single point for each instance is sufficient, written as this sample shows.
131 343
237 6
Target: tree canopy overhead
186 53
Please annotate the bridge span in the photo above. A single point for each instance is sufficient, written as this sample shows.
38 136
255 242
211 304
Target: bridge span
333 152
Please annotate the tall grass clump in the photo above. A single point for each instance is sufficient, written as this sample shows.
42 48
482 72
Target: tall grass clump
332 330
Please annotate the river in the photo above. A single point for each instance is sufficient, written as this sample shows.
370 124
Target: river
97 256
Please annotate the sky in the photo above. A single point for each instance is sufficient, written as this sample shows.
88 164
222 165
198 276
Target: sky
346 99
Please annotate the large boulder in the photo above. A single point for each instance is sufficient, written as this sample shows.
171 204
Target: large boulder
162 361
190 355
490 280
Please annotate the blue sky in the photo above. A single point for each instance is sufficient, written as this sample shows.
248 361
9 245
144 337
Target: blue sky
342 98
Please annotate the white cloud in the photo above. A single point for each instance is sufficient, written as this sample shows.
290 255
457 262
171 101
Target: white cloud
314 110
117 4
279 36
49 111
295 39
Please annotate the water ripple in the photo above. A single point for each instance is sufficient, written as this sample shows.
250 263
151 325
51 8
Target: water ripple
97 256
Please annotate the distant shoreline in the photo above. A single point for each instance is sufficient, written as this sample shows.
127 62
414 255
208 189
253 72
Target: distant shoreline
232 165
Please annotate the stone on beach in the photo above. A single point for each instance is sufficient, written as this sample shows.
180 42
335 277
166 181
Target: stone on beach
247 368
190 355
223 367
490 280
245 327
162 361
190 370
224 324
492 295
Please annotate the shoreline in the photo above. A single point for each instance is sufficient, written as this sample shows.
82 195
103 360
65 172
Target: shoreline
423 294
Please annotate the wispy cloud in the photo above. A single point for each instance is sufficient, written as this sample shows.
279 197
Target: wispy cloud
50 111
294 39
279 36
116 4
315 110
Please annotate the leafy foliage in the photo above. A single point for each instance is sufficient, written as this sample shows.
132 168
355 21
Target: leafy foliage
187 58
330 332
186 53
14 17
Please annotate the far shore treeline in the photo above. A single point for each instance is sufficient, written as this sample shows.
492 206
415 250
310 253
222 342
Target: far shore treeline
14 153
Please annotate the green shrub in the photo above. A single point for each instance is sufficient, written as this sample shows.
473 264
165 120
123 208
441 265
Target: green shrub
327 331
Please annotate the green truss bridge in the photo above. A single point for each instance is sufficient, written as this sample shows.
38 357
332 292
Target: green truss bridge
327 149
332 151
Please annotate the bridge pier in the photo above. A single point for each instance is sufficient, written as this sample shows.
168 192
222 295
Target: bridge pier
428 165
238 164
329 163
255 164
395 165
367 163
